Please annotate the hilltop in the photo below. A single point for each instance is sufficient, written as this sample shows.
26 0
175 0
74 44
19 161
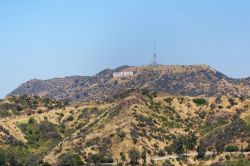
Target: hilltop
189 80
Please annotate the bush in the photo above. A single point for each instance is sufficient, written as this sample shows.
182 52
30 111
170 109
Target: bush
220 106
219 146
32 120
70 118
201 150
70 160
168 100
134 134
190 141
200 101
169 149
178 145
161 153
46 164
167 163
122 135
3 159
227 157
134 156
39 133
231 148
123 157
232 102
40 111
100 158
107 159
247 148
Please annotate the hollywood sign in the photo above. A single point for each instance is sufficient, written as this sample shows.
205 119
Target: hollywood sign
123 74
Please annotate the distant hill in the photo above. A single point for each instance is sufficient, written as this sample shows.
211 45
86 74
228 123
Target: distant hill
190 80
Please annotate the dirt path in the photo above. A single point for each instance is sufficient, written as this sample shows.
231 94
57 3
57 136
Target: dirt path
192 154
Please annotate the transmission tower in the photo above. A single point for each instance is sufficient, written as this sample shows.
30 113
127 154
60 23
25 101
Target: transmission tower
154 63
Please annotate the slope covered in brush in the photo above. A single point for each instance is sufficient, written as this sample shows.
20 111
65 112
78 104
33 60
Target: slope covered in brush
191 80
156 124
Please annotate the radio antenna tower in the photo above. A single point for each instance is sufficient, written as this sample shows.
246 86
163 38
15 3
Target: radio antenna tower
154 63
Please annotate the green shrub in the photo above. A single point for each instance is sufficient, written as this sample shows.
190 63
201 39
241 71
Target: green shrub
3 159
70 160
167 163
70 118
247 148
168 100
227 157
39 133
122 135
134 156
40 111
232 102
134 134
123 157
220 106
201 150
100 158
161 153
232 148
32 120
169 149
200 101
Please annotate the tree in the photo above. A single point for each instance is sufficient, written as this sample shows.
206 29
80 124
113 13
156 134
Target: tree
161 153
46 164
13 160
144 155
152 162
178 146
134 134
3 159
32 120
96 158
248 148
134 156
123 157
201 150
70 160
219 146
190 142
121 134
166 163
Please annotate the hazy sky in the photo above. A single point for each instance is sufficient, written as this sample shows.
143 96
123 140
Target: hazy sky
55 38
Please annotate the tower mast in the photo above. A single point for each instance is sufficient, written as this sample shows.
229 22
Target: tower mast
154 58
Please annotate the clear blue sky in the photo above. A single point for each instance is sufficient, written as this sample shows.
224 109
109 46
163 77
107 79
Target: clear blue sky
55 38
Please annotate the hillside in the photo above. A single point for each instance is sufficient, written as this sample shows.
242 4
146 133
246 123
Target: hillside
158 126
191 80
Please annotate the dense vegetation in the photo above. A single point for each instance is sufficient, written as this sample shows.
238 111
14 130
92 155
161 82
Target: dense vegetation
20 105
41 137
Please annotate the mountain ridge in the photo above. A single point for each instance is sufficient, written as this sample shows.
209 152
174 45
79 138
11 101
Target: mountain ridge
187 80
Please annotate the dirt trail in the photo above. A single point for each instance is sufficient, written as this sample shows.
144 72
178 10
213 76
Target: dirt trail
192 154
